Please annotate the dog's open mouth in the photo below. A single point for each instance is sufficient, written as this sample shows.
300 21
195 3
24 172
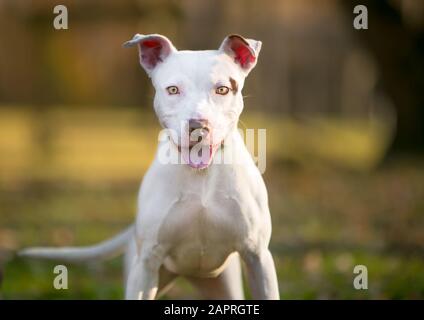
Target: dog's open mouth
200 155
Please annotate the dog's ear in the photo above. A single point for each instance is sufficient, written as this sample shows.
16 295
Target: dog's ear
152 49
244 51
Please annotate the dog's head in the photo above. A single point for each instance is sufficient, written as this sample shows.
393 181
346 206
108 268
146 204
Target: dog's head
198 93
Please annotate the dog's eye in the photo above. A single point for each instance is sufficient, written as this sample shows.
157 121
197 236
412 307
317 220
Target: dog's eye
173 90
222 90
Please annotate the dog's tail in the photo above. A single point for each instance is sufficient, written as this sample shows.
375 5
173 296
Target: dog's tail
105 250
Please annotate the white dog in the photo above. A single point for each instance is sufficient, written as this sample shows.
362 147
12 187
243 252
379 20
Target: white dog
199 217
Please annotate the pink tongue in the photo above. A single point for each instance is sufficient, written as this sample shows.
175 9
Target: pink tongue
199 159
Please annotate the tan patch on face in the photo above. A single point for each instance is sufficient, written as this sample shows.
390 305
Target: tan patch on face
234 85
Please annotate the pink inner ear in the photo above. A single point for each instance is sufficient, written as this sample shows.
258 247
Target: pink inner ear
150 53
151 43
243 55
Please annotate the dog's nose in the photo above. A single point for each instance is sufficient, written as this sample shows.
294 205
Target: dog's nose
201 125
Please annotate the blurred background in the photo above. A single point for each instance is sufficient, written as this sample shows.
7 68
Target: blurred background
343 109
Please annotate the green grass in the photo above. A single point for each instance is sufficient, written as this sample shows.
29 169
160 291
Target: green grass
325 222
331 208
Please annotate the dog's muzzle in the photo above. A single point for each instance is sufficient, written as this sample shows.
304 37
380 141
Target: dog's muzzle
197 148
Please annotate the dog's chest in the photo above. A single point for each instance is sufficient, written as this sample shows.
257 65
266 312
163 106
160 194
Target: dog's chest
202 230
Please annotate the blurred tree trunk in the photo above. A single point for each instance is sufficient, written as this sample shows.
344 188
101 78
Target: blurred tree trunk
399 51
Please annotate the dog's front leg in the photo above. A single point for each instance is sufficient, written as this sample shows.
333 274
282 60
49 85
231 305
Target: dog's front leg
261 274
143 279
